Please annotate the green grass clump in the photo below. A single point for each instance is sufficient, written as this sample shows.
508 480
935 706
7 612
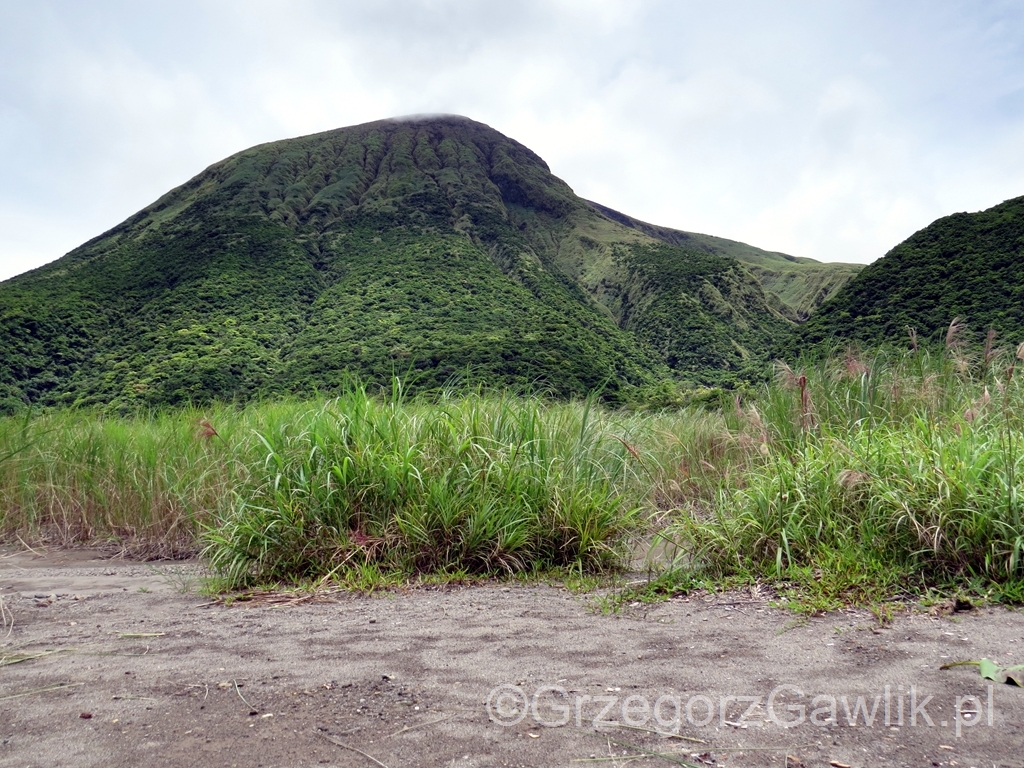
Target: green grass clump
874 479
287 490
475 483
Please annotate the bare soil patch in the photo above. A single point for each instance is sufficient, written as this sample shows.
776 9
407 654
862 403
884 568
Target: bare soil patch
134 672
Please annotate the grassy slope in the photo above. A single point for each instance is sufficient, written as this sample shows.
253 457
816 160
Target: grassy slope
437 246
799 284
703 314
802 288
968 265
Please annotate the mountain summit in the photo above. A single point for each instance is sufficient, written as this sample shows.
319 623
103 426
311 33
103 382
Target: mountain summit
432 247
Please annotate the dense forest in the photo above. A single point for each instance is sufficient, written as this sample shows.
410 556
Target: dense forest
968 266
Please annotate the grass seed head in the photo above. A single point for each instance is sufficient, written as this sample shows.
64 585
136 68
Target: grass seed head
990 350
206 430
853 366
786 375
955 332
851 478
912 333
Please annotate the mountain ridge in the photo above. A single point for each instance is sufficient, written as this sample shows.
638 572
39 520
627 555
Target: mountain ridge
966 265
799 283
434 246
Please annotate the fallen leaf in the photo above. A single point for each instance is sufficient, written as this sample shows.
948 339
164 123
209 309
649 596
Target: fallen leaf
991 671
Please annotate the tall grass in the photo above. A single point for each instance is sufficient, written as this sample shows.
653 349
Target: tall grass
289 489
901 470
472 483
883 473
74 477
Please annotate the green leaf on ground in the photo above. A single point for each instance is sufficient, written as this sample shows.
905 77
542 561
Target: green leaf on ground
991 671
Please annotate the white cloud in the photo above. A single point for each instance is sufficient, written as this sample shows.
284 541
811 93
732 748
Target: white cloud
825 130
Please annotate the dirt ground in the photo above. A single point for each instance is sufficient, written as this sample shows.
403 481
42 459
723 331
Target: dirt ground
109 663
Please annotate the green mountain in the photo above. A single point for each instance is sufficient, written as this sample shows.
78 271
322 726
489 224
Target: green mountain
431 247
968 265
795 286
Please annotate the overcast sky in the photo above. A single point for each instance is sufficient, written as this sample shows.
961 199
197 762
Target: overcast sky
825 129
